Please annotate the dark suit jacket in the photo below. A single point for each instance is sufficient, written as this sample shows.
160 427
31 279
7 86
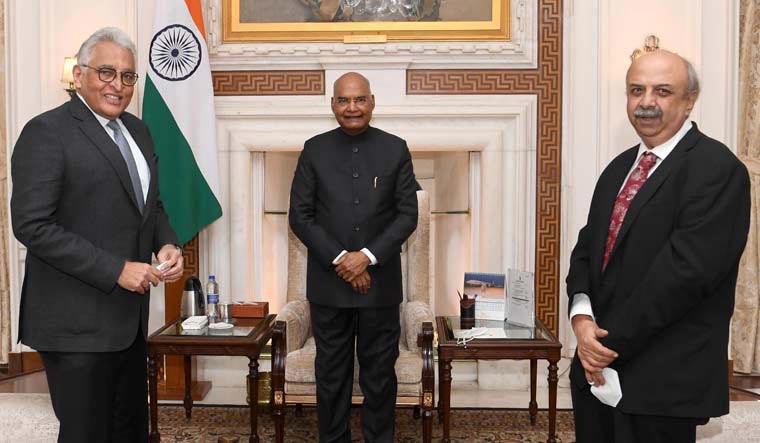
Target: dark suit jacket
74 209
667 294
335 205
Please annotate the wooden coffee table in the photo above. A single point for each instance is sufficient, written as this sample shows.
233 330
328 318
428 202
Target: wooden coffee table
246 339
521 344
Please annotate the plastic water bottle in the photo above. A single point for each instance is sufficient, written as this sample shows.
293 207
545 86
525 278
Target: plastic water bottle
212 294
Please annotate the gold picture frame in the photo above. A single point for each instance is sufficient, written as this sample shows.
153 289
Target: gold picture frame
237 31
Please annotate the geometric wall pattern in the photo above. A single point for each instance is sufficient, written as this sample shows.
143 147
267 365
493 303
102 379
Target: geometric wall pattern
546 83
268 83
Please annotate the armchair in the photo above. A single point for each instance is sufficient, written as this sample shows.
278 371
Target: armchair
294 349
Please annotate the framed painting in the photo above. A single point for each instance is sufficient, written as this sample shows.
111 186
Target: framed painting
356 21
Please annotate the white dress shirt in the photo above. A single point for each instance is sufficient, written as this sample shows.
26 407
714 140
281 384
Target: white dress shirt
143 171
581 302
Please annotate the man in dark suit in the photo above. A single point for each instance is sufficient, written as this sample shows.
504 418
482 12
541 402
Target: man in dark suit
353 203
85 204
652 277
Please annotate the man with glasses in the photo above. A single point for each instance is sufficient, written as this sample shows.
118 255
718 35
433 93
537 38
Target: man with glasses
353 203
86 205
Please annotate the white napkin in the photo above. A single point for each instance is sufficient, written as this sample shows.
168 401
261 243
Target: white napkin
195 322
610 394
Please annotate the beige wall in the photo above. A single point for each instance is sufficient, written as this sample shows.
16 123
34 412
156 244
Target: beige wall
5 314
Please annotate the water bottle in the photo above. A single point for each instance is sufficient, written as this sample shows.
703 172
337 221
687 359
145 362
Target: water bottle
212 294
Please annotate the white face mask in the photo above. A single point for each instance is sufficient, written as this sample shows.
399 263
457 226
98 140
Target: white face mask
469 335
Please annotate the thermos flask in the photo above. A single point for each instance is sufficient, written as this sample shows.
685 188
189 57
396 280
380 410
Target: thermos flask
193 301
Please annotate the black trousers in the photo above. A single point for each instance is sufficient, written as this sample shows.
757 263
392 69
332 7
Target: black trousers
374 334
100 397
596 422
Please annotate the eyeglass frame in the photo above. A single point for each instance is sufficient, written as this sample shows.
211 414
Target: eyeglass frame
121 74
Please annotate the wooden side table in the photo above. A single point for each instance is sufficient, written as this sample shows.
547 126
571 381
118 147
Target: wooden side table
521 344
246 339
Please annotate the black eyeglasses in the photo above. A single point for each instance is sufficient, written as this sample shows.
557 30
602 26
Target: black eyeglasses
108 75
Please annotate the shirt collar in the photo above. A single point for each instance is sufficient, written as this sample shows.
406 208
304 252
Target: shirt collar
102 120
663 150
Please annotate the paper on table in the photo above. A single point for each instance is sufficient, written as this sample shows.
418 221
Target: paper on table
610 394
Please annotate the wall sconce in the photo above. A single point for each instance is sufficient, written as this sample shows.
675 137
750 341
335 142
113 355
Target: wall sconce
651 44
67 76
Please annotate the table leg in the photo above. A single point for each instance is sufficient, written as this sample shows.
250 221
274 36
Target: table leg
533 406
253 394
553 378
188 387
444 386
155 437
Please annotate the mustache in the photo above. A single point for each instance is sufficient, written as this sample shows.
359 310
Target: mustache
647 112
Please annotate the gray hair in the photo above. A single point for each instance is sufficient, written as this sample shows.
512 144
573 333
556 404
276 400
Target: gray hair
111 34
692 86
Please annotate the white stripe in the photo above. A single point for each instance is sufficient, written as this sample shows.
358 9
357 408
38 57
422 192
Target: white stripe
191 101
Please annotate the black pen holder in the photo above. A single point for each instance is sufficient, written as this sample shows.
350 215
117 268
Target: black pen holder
467 313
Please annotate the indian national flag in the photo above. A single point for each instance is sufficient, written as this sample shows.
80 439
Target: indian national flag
178 107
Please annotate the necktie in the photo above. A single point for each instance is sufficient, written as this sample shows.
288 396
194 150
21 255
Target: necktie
624 198
126 152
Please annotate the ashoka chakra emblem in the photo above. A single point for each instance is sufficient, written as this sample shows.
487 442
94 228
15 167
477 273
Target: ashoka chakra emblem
175 53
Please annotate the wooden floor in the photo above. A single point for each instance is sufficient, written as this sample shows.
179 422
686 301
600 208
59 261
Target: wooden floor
37 383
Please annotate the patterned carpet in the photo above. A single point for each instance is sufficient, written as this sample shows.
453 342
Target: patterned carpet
471 426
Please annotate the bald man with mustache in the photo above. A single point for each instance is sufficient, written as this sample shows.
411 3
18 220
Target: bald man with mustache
653 274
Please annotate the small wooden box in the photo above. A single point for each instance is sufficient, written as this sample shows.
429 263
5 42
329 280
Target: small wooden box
250 309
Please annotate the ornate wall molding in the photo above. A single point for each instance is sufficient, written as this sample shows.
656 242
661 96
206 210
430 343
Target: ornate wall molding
546 83
242 83
520 52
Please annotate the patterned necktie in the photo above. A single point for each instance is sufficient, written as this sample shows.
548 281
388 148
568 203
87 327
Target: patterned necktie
632 185
126 152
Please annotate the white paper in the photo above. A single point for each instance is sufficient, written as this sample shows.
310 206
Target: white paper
520 306
610 393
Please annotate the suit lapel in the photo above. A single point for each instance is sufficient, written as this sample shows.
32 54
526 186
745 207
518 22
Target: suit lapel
653 183
97 134
608 194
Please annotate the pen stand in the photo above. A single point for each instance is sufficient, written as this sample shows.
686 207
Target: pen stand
467 313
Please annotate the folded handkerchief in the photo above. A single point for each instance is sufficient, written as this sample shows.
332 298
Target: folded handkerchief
611 393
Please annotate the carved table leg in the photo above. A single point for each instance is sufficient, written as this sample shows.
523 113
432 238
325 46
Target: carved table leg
253 393
445 394
155 437
533 406
188 388
553 378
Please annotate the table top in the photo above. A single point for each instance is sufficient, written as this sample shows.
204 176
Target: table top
450 327
245 330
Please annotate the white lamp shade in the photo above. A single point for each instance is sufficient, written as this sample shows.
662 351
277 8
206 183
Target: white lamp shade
67 76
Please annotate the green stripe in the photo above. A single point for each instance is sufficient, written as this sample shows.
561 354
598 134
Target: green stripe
187 197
